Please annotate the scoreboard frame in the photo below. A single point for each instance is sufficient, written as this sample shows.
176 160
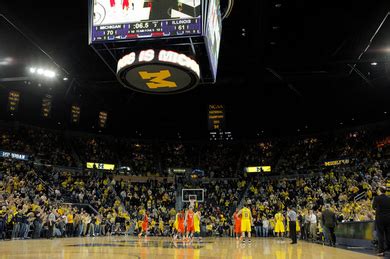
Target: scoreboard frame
195 46
91 25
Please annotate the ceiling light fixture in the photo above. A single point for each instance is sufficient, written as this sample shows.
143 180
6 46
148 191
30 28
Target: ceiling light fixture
42 72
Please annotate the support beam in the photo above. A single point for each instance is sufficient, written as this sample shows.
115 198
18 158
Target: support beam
14 79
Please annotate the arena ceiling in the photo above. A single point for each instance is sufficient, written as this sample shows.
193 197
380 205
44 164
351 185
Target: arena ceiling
284 66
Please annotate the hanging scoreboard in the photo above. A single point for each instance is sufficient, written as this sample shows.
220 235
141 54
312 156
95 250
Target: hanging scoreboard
138 19
158 46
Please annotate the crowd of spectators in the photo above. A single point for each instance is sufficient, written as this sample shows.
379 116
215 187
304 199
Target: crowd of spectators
35 196
179 155
141 158
220 160
31 207
261 153
95 149
348 187
45 146
301 155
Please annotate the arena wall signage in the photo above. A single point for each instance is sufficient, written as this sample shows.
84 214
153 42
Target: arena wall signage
216 117
158 71
257 169
178 170
337 162
100 166
13 155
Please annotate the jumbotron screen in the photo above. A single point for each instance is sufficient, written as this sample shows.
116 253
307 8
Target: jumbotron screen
213 33
121 20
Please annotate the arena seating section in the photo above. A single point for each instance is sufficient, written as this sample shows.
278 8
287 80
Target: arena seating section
55 179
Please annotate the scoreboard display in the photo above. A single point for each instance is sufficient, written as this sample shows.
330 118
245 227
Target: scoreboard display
159 46
115 20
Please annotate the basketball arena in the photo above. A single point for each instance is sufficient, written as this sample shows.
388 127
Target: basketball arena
194 129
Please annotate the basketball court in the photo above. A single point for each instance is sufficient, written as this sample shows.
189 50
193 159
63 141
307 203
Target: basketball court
130 247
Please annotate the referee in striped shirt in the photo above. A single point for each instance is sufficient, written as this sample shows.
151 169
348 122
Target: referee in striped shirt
292 215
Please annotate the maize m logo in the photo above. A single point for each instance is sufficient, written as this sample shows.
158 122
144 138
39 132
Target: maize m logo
158 79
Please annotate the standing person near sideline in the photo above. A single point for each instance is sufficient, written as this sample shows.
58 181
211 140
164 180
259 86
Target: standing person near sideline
69 225
237 224
306 225
292 216
258 226
329 223
246 222
313 225
265 227
51 223
381 204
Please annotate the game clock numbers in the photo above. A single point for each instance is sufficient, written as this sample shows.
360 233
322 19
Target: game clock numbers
143 25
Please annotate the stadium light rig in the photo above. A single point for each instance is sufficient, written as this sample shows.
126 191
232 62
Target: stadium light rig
43 72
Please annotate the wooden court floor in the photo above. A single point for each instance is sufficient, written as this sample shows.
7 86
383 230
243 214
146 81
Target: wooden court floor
130 247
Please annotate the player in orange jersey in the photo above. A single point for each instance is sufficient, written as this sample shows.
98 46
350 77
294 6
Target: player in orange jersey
189 220
180 223
145 225
237 224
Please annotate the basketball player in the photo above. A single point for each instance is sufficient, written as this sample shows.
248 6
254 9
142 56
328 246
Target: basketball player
237 224
197 225
246 222
279 226
144 226
189 220
112 3
179 225
176 227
